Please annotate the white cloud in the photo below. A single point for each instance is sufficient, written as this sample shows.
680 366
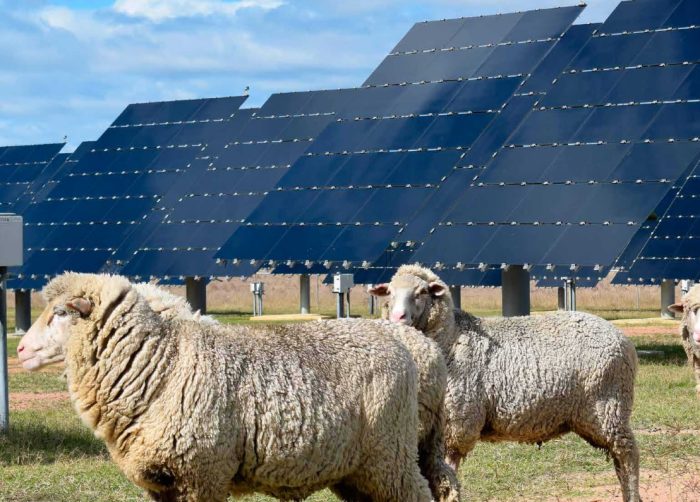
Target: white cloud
161 10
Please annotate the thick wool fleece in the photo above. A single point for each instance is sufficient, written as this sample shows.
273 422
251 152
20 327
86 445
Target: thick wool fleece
531 379
168 305
432 383
691 301
193 412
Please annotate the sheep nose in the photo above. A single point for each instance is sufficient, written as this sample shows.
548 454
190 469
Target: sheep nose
20 348
398 317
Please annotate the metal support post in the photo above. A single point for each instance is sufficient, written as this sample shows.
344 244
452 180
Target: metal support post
4 391
196 293
340 305
258 289
304 294
456 293
23 311
515 291
668 297
561 298
570 295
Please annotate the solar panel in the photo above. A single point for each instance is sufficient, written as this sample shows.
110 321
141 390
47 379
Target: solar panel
20 166
368 173
106 190
225 183
592 160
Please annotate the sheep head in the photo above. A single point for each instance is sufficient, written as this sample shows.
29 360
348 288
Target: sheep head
411 293
689 307
72 300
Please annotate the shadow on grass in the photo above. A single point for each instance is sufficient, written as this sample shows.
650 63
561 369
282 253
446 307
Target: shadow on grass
662 353
32 443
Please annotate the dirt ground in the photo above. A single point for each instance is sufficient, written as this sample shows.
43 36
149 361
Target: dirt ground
35 400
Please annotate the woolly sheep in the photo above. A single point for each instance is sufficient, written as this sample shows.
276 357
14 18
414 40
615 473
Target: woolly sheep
690 330
525 379
432 382
195 411
168 305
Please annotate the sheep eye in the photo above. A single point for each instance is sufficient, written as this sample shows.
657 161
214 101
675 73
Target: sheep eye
60 312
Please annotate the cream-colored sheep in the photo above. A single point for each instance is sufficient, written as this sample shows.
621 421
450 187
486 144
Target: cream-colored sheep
195 411
690 330
432 382
525 379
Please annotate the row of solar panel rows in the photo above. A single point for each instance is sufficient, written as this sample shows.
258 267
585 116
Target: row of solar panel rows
215 179
213 208
116 202
388 134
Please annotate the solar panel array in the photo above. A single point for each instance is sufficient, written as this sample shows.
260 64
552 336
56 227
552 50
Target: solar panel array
476 143
111 185
224 184
368 173
20 167
596 155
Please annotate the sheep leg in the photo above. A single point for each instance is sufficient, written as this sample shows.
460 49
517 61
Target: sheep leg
390 478
626 458
441 477
696 368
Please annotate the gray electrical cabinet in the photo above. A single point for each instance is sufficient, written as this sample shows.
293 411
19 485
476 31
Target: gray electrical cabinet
11 241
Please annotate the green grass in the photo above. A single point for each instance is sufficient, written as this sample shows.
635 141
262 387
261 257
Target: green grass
50 456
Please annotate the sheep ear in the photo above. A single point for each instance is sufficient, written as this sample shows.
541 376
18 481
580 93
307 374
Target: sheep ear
437 289
676 307
81 306
379 290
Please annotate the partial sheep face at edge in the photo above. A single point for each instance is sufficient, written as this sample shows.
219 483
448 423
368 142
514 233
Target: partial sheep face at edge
689 309
46 340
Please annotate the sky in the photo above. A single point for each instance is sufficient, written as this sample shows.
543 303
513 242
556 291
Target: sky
68 67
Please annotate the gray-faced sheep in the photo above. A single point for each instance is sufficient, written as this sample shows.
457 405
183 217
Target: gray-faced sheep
690 330
525 379
432 382
195 411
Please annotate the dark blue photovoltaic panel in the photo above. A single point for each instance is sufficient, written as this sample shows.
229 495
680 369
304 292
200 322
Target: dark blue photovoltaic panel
430 35
656 161
356 243
558 58
20 168
610 52
549 126
677 121
639 15
179 111
686 14
574 244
